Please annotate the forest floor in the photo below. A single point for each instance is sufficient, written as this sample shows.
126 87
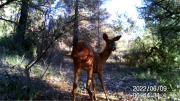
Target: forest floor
119 80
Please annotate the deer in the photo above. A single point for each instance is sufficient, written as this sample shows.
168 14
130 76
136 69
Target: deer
84 58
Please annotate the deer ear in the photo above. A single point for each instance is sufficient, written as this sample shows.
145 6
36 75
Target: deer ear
117 38
105 37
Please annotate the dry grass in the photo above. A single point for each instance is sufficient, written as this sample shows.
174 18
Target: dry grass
57 82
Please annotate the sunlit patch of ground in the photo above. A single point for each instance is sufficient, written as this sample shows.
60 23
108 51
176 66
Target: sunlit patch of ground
57 82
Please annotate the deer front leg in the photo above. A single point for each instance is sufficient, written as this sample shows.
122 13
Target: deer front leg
94 87
76 74
89 78
102 83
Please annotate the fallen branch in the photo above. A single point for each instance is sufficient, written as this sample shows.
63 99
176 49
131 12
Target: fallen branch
38 57
44 71
30 64
9 76
45 65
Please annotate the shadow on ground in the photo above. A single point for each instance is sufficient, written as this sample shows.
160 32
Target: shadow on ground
118 82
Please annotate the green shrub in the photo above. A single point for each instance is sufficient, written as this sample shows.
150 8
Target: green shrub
9 47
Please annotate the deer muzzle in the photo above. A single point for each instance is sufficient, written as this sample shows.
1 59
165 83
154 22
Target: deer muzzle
114 48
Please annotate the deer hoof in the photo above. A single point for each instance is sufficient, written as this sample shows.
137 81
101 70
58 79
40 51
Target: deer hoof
95 97
107 100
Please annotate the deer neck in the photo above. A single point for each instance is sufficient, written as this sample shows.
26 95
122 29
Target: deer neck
105 54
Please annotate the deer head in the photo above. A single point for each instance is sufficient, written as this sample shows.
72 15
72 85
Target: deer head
110 43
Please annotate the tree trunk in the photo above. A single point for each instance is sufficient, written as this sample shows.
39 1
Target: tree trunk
19 37
99 38
76 30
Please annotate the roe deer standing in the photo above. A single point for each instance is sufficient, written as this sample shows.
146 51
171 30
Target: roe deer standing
84 58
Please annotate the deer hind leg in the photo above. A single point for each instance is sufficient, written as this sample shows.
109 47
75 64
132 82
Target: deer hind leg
89 78
94 87
101 80
76 74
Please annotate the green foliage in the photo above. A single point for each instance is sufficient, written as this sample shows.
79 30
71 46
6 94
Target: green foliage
9 47
81 84
162 60
162 20
169 79
139 48
13 90
127 26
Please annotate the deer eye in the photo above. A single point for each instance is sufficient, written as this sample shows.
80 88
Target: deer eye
109 43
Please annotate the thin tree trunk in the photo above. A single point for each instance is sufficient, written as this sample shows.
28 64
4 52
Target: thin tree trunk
19 37
99 38
76 30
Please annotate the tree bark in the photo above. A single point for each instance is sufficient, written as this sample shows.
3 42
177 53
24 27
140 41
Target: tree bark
99 38
76 30
19 37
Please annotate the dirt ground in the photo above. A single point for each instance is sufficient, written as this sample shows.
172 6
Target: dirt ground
118 79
